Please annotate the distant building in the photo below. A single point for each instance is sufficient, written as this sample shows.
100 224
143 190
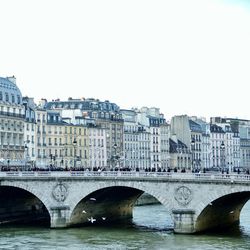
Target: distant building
180 155
97 148
218 146
189 132
205 142
42 156
136 142
155 123
234 141
12 119
30 131
105 115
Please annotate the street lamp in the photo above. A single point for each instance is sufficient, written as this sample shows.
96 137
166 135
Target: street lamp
222 148
26 155
192 149
74 145
8 156
114 156
61 155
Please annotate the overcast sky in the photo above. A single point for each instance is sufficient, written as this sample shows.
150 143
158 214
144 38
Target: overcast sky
185 57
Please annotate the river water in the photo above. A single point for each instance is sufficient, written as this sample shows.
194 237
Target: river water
151 228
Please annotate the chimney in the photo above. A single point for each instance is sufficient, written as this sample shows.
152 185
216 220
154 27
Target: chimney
12 79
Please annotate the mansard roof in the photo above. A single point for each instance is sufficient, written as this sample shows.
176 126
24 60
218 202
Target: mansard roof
216 129
84 104
175 146
9 92
195 127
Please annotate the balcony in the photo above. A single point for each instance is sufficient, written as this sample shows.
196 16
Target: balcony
12 114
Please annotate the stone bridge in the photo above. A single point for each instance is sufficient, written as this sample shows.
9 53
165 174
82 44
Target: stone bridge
196 202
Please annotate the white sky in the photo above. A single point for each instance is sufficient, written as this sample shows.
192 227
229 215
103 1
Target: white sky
185 57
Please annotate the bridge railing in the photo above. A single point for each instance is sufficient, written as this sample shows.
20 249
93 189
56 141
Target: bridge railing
128 174
219 176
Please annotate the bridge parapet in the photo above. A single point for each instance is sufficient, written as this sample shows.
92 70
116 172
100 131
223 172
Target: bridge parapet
129 175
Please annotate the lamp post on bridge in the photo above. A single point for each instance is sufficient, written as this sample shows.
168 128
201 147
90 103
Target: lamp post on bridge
26 153
114 157
222 148
74 146
193 154
8 156
62 152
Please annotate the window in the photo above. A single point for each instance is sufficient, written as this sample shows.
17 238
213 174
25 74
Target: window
6 97
1 95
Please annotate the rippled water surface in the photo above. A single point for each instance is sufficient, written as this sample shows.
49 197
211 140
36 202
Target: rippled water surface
151 229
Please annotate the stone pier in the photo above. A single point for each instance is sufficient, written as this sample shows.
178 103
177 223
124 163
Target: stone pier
184 221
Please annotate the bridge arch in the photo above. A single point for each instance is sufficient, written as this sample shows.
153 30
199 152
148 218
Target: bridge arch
92 202
32 192
221 208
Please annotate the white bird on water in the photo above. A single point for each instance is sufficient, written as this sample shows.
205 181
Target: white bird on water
103 218
84 212
93 199
91 219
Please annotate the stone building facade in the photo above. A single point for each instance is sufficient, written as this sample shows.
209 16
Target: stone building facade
12 120
105 115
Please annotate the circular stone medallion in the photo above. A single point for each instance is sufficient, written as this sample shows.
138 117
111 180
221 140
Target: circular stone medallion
183 195
60 192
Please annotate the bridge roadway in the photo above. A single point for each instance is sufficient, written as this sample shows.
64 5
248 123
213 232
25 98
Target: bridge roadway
196 202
